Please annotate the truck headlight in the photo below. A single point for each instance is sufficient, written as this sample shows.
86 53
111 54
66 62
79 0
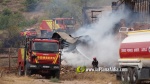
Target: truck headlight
46 66
33 66
56 67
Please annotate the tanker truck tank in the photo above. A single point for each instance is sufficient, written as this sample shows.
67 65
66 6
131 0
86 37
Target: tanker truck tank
136 46
135 56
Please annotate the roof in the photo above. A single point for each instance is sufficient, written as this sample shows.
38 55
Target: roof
30 29
67 37
62 18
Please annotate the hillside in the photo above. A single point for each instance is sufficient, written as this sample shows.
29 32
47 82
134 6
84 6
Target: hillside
16 15
14 5
48 9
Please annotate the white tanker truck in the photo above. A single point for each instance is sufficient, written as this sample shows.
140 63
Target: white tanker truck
135 56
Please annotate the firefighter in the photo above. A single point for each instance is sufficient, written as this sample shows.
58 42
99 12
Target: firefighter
95 63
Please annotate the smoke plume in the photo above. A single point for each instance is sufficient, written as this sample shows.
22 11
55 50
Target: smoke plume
99 42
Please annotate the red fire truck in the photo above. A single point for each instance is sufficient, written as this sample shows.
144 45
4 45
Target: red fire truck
29 32
40 56
57 25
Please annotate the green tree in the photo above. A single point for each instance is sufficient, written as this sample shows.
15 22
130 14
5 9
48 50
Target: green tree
12 22
9 18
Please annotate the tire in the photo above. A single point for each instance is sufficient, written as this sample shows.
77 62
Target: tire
118 75
57 74
129 75
134 76
47 77
27 71
124 76
20 73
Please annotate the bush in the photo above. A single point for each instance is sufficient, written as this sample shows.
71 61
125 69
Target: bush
27 22
13 37
55 80
9 18
31 4
1 1
6 12
12 22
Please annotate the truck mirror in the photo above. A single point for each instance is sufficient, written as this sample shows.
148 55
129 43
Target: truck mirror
27 42
60 50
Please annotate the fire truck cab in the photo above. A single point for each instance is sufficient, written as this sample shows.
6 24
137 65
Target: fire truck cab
40 56
48 27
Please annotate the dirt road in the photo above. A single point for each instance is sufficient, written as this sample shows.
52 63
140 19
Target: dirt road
70 78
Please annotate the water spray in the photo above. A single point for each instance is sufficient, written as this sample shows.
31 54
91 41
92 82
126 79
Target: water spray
83 54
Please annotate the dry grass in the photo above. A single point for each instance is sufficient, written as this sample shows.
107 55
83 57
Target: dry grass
1 82
14 5
68 75
91 76
87 77
5 62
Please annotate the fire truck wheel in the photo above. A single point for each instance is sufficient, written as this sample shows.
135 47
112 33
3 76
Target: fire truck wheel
27 72
57 74
47 76
20 73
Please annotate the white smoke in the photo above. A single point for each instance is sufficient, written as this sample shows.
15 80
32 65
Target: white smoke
102 43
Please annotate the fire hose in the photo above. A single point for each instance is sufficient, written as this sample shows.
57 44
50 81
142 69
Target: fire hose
83 54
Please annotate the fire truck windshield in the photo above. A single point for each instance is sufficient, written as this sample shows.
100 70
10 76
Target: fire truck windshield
69 22
45 47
